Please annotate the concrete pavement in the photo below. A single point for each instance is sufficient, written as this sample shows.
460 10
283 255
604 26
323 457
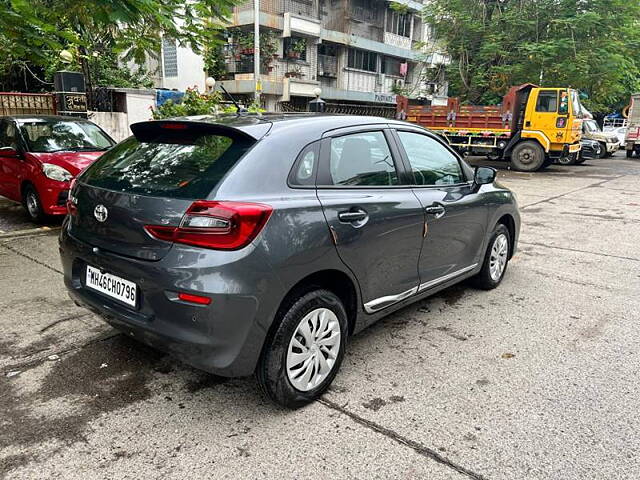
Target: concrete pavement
536 379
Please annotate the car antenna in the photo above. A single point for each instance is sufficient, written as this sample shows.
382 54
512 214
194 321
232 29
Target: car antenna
233 100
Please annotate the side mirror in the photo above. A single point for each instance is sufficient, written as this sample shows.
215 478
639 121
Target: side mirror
484 175
9 152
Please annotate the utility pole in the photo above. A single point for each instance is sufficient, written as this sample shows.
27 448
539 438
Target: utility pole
256 50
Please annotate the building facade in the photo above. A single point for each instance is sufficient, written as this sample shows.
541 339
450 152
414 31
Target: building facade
358 52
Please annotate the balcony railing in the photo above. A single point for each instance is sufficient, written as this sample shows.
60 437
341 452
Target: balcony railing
327 66
367 15
307 8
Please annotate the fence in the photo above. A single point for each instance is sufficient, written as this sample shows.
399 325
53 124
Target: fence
27 104
342 108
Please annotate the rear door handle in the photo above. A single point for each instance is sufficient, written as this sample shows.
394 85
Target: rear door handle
436 210
352 216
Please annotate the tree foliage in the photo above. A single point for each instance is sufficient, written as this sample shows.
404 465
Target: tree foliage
196 103
590 45
33 32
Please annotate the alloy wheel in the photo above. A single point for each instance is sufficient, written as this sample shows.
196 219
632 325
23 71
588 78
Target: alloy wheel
313 349
32 204
498 259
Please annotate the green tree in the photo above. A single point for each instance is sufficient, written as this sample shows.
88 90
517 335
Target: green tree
590 45
100 33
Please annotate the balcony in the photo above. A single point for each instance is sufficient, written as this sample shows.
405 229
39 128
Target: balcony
371 16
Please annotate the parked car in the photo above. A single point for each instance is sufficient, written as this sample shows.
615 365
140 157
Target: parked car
609 141
259 244
590 149
617 126
40 155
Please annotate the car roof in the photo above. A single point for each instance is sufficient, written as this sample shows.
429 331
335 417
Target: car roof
258 125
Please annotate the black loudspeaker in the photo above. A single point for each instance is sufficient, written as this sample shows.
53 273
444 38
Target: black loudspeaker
68 82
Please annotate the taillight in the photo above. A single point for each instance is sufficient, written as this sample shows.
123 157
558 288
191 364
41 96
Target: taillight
216 225
72 207
191 298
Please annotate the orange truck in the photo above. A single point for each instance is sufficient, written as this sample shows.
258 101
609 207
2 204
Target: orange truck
533 127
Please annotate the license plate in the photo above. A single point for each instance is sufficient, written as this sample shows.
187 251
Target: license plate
112 285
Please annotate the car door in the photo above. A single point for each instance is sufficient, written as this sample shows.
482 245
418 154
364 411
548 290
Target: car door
456 217
375 219
10 166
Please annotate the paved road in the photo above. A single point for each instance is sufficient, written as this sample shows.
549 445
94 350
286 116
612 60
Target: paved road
537 379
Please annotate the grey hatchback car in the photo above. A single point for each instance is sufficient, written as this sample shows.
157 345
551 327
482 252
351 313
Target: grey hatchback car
259 243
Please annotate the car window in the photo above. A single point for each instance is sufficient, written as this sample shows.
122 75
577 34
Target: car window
8 135
46 136
306 166
190 169
547 101
431 162
362 159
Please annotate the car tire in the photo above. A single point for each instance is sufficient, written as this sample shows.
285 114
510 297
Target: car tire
497 255
33 205
603 153
569 160
527 157
314 330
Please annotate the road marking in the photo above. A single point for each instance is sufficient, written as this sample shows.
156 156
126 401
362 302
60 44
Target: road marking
28 232
597 184
28 257
415 446
520 242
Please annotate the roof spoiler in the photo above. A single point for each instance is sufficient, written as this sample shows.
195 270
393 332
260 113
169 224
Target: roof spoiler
180 130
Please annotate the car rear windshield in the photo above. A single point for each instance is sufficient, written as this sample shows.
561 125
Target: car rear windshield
47 136
187 169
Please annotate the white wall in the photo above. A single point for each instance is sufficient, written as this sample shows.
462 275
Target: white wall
139 106
190 71
115 124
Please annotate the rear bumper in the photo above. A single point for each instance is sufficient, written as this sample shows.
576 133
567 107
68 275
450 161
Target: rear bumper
224 338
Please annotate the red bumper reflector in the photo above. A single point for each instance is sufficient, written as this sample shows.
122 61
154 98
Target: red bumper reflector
188 297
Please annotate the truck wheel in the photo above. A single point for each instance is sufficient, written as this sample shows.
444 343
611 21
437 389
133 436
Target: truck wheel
527 157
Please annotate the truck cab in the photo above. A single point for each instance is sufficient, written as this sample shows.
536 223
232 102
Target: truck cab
551 118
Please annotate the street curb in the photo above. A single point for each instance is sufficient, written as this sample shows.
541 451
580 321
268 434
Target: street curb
28 232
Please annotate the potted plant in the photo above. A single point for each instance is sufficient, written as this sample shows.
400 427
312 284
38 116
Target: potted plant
297 48
245 42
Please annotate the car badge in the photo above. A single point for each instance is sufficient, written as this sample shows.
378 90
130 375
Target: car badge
101 213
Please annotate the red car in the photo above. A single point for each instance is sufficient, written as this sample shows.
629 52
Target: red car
40 155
